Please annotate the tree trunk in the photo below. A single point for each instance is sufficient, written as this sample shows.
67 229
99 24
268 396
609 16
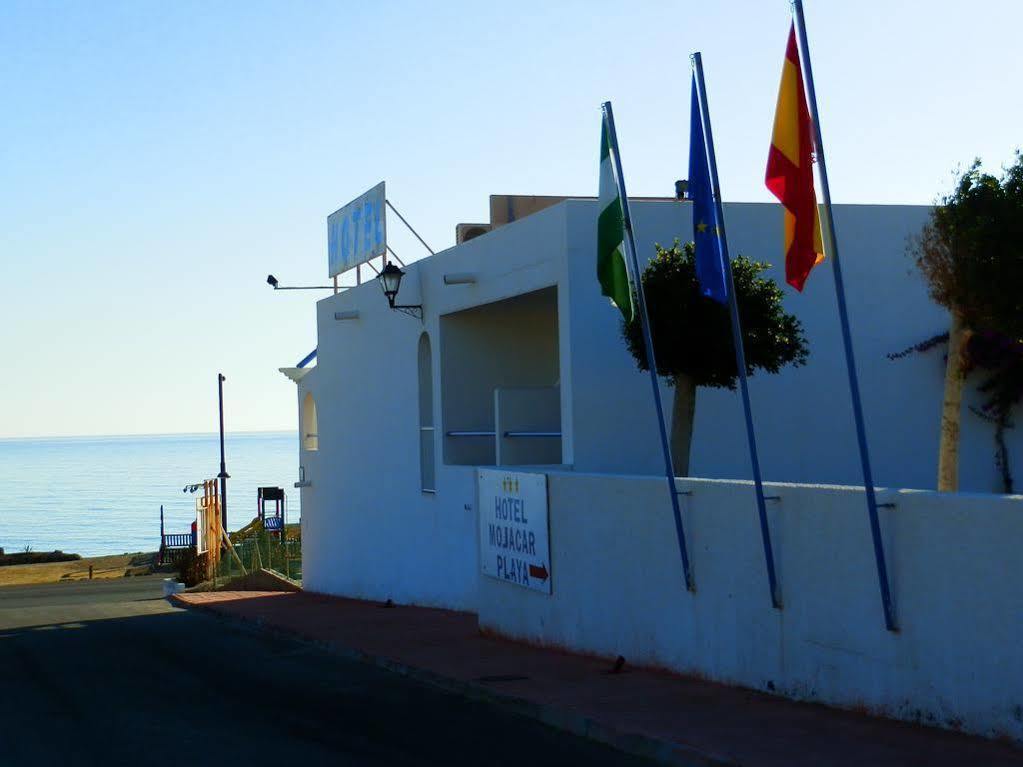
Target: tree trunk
682 413
951 409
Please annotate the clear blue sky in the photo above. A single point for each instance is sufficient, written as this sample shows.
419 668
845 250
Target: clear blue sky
158 159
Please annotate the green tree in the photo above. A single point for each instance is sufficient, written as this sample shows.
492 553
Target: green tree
971 255
692 334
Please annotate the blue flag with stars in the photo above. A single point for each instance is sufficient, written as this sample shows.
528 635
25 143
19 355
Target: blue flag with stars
710 255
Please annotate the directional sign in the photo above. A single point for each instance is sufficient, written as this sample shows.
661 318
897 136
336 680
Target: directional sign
357 232
514 537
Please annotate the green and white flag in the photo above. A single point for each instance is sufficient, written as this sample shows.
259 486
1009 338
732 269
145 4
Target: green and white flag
612 270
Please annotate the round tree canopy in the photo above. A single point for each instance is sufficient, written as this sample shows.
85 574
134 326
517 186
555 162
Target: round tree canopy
692 333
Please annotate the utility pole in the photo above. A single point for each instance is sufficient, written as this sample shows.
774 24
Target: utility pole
223 475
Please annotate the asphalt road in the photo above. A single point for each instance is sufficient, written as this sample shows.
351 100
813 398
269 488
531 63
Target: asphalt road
108 673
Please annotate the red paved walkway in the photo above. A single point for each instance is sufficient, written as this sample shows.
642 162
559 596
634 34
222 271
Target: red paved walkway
723 724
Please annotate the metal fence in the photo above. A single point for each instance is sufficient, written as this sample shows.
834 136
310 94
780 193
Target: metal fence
262 550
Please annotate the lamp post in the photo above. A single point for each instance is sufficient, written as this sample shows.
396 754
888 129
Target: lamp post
274 283
390 283
223 475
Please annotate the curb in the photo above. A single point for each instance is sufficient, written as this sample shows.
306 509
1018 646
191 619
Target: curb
661 751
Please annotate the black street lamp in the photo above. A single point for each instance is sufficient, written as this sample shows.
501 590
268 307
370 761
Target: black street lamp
223 476
390 283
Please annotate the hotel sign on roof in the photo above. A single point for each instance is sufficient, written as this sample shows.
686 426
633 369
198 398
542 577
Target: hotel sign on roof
357 232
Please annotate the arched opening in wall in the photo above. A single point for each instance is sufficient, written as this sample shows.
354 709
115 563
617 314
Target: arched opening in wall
427 466
310 437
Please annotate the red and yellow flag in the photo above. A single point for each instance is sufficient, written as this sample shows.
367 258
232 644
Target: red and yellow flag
790 172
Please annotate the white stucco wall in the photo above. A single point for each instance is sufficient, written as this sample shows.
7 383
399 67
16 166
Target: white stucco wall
954 562
803 415
371 532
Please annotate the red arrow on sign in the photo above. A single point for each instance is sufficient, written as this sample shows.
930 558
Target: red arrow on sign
540 573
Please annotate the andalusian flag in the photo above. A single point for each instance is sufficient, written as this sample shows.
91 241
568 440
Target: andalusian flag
611 267
790 172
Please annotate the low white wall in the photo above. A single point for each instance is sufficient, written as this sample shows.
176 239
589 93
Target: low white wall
954 562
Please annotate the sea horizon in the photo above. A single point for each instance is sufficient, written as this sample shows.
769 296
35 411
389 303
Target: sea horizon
235 432
101 494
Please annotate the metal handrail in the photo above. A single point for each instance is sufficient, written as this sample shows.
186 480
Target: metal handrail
178 540
510 434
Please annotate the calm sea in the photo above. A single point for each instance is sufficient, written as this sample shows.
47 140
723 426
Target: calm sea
102 495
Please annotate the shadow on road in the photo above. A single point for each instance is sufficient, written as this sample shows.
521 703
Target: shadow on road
127 682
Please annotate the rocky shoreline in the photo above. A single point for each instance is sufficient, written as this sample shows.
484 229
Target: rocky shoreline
35 557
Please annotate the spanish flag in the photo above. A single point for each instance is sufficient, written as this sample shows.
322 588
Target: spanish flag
790 172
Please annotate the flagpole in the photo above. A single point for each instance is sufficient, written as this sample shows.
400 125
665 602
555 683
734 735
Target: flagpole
854 387
644 321
737 342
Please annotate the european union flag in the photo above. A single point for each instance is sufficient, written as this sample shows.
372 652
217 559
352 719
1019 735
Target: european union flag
710 253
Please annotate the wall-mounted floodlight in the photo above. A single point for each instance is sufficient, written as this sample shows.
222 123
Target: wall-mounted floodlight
390 283
460 278
275 284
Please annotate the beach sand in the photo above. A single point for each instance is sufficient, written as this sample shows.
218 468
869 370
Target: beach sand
111 566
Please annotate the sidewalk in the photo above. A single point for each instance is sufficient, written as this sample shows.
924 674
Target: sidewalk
675 719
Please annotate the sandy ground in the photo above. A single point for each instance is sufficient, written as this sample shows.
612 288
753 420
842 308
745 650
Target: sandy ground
112 566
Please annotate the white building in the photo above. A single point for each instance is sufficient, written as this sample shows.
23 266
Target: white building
517 340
